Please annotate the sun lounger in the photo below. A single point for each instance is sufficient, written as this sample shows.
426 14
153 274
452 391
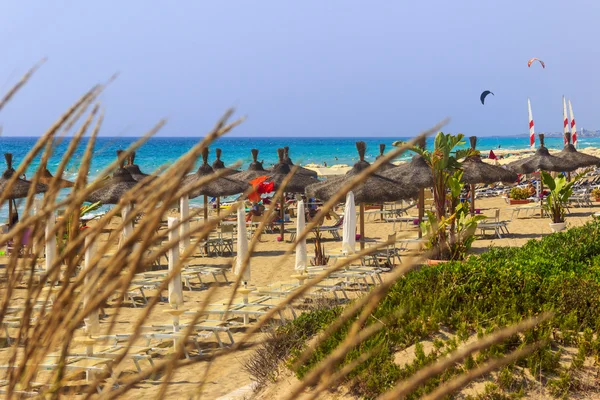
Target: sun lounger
255 306
88 364
495 224
22 392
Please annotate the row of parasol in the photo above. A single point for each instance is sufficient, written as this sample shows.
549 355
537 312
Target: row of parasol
389 183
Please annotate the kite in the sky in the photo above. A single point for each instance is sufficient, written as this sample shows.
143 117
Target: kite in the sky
536 59
484 95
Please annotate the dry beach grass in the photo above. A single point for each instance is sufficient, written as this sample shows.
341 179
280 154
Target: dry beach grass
55 303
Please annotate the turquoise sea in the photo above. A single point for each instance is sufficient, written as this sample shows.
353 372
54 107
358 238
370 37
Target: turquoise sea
160 151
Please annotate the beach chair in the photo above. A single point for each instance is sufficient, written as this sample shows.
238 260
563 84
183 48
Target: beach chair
226 239
25 246
32 390
386 256
334 229
499 227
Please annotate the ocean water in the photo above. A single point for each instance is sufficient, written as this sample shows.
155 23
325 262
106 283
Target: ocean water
162 151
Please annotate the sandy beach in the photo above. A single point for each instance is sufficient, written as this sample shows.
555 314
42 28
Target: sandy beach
226 374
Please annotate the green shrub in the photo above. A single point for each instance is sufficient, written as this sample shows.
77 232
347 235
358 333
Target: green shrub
561 273
519 193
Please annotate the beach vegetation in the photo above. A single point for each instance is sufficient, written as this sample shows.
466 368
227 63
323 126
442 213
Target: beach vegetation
560 191
452 303
518 193
444 240
282 342
320 257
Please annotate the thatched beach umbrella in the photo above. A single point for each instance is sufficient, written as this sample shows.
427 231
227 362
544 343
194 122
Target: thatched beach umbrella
19 189
297 183
301 170
47 177
387 165
570 154
542 160
221 186
219 165
418 174
375 189
115 187
254 170
134 169
476 171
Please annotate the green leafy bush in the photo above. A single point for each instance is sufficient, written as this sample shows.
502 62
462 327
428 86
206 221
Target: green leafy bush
561 272
519 193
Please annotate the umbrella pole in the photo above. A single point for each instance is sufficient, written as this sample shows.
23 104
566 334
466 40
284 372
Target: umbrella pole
281 215
421 206
219 211
10 213
362 226
472 199
540 195
205 208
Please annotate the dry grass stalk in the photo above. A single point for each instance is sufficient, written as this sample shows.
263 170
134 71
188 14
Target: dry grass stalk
58 320
24 79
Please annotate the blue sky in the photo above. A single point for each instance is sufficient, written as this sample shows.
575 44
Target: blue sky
318 68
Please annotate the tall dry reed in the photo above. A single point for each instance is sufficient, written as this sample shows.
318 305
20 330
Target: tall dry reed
51 301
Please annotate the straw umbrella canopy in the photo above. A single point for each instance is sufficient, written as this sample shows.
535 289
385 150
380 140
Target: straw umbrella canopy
220 165
115 187
19 189
297 183
134 169
220 186
375 189
542 160
387 165
47 177
570 154
476 171
417 173
254 170
301 170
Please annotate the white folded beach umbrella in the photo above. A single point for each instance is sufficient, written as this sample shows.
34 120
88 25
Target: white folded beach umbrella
242 244
184 230
301 256
349 227
128 227
92 322
175 285
50 238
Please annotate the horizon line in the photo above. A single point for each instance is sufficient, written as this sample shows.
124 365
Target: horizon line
258 137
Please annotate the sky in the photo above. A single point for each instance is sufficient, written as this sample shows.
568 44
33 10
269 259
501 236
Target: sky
313 68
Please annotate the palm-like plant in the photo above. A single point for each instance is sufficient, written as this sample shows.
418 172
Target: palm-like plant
445 164
560 191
